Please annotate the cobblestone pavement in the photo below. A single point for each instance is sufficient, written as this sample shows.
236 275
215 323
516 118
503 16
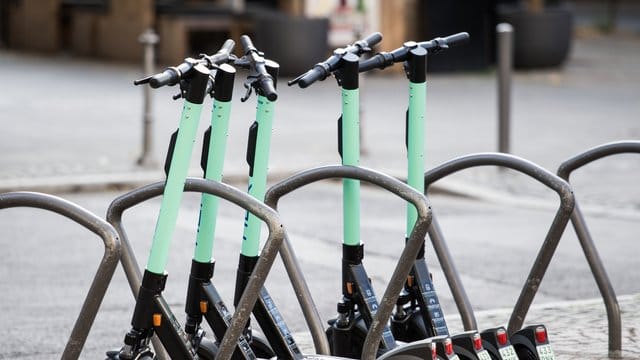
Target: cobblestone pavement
578 329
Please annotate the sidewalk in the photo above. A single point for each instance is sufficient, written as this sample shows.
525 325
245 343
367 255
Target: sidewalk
72 124
578 329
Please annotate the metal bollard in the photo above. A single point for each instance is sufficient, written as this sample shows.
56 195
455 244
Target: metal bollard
148 39
505 63
237 6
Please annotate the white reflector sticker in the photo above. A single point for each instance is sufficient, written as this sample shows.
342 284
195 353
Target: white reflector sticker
484 355
508 353
545 352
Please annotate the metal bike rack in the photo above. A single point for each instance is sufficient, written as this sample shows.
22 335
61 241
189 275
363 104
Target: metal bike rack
400 273
235 196
586 241
549 245
451 274
105 271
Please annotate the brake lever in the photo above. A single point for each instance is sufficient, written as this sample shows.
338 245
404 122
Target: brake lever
365 50
248 84
242 62
142 81
440 45
295 81
183 90
212 65
210 85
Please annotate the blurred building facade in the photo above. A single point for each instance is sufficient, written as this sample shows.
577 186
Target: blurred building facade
109 29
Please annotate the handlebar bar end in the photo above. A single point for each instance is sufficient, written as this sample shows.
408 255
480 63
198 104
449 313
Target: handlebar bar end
247 44
227 46
457 39
373 39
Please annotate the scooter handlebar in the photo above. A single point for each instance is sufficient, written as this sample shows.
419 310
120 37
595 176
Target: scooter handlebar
267 88
443 43
318 72
378 61
227 46
457 39
247 44
167 77
321 70
223 55
371 40
384 59
255 62
172 75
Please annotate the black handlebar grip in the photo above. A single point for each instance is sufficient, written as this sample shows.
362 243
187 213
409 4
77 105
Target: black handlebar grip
247 44
311 76
167 77
227 47
374 62
268 90
457 39
373 39
321 70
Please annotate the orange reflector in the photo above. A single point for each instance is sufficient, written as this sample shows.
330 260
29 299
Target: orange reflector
204 306
157 320
410 281
349 288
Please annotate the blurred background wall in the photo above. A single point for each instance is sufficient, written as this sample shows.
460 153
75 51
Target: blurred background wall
109 29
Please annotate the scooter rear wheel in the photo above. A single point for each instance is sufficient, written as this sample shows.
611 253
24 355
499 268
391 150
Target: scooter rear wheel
261 348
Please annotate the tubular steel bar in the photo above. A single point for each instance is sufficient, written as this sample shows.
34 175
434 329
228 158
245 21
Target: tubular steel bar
586 241
550 243
595 153
258 277
405 262
105 270
453 279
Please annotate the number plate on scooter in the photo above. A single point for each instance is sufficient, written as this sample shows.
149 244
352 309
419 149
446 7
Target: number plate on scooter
484 355
545 352
508 353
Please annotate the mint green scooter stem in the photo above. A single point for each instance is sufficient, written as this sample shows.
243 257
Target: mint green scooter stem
215 161
194 80
351 156
172 196
415 145
258 174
